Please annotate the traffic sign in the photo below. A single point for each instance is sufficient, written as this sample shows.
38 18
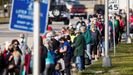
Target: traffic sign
113 6
22 15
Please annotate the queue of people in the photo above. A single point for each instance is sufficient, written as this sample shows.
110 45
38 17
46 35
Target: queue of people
59 50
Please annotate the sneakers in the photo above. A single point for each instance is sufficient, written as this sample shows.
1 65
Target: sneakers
102 54
96 58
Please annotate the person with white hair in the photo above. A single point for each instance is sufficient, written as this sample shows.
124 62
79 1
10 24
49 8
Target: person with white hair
79 44
25 51
80 23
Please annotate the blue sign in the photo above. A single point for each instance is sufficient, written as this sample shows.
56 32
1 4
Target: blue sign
22 15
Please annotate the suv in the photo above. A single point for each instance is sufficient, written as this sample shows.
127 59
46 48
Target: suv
58 12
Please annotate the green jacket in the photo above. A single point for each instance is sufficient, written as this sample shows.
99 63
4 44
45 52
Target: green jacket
79 45
87 36
116 23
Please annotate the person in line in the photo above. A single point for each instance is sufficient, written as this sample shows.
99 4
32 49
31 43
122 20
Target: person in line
94 42
9 61
79 44
116 24
80 23
43 56
122 25
65 49
1 63
16 56
87 35
25 58
49 61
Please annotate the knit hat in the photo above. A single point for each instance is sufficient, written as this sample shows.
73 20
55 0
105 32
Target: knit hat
49 28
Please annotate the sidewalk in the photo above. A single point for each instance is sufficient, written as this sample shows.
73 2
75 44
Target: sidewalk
4 20
122 63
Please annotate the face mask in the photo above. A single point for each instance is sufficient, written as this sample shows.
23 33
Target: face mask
22 40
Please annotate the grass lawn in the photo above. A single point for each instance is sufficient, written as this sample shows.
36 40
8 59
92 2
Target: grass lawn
122 63
4 20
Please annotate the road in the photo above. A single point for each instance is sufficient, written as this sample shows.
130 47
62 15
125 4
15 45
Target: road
8 35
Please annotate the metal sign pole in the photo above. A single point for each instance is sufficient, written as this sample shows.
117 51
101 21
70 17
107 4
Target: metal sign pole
128 15
114 36
113 8
106 29
36 61
106 59
49 1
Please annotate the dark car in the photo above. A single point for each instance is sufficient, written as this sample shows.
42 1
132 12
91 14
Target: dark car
99 8
76 9
58 12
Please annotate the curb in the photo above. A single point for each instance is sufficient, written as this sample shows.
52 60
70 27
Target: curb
4 22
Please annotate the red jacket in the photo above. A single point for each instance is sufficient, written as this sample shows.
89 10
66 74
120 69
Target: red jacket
121 23
131 19
27 62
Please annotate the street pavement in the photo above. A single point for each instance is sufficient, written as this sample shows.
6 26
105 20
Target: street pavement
8 35
1 13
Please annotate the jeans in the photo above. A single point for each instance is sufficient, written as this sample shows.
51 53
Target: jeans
88 46
49 69
103 47
80 63
67 60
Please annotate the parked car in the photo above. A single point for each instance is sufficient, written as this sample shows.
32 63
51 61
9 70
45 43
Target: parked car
76 9
58 12
99 8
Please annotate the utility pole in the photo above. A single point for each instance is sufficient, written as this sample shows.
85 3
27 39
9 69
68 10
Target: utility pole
106 59
128 15
36 34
